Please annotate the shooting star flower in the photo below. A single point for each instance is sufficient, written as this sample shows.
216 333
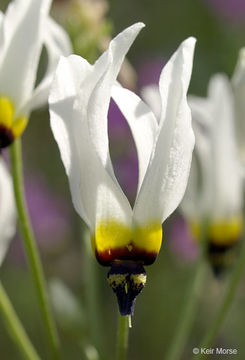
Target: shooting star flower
122 237
215 189
24 29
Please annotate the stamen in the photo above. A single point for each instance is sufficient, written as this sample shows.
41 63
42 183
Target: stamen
130 321
127 279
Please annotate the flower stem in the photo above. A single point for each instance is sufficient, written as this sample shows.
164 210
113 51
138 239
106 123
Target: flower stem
31 248
122 337
188 315
93 311
190 305
16 329
230 294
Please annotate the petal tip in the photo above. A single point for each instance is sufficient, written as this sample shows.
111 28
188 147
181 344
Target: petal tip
137 27
190 42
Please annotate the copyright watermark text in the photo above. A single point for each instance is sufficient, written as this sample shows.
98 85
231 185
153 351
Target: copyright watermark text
215 351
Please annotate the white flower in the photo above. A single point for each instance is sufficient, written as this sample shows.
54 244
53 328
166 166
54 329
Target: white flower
7 210
79 103
123 237
217 193
215 188
24 29
238 84
151 95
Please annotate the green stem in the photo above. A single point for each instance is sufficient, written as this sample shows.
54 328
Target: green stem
230 294
190 306
92 296
122 337
16 328
31 248
188 315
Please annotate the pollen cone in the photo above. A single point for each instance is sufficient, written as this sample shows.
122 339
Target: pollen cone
127 279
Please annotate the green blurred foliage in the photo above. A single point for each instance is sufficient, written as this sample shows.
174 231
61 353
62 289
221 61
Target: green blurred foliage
86 25
169 22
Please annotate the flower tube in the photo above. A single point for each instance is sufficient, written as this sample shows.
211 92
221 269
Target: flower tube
215 189
24 29
122 237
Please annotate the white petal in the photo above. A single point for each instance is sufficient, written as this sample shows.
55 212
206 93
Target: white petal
7 211
94 193
1 23
20 48
199 192
142 123
238 83
151 95
57 43
218 192
227 190
65 304
62 95
1 34
166 177
98 105
202 108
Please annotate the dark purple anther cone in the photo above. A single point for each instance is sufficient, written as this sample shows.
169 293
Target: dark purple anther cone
222 257
127 279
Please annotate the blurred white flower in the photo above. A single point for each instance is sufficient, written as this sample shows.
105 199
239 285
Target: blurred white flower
7 210
215 187
67 308
238 84
70 315
79 104
24 29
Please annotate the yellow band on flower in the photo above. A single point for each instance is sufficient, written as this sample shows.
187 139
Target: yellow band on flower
6 112
115 241
10 127
19 125
222 232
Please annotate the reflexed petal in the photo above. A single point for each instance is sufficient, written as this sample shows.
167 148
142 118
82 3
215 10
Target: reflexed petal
98 104
218 189
21 34
67 308
227 190
199 192
95 195
142 123
151 95
1 29
166 177
61 101
238 83
201 109
57 43
7 211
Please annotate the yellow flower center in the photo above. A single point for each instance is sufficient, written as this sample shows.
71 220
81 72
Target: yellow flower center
10 127
116 241
222 232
